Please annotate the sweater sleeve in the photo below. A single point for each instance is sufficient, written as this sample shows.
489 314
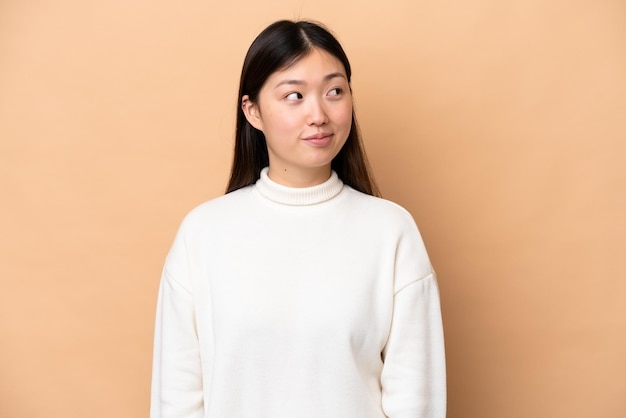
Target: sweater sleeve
414 371
176 373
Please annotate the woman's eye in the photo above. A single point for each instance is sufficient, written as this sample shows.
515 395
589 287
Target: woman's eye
293 96
335 92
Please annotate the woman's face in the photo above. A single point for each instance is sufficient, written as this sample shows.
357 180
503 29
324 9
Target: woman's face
305 113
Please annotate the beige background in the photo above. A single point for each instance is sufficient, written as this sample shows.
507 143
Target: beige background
499 124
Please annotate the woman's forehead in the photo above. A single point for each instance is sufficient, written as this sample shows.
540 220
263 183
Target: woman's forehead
317 64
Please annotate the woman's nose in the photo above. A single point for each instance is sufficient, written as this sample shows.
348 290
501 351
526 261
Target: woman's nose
317 114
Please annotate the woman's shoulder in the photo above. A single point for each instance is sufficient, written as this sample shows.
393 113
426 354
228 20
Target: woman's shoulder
203 225
380 208
217 209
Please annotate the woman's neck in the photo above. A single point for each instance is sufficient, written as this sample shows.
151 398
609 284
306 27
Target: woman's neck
298 196
298 177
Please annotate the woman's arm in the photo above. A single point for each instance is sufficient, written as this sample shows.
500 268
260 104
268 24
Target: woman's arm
414 372
176 373
413 378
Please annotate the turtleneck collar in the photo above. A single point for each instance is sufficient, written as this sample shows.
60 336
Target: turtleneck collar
298 196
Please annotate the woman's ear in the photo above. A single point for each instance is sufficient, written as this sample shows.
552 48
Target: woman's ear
252 113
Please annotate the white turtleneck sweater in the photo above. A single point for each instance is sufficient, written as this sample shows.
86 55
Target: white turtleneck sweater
278 302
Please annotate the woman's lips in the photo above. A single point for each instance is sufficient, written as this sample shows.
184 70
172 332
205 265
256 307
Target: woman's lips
319 139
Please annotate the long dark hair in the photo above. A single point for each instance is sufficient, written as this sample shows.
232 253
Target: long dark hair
280 45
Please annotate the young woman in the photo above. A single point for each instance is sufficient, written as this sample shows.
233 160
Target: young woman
299 293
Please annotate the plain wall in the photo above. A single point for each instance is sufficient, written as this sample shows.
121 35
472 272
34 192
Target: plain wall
500 125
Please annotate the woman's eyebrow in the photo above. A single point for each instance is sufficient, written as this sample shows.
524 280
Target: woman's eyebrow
302 82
